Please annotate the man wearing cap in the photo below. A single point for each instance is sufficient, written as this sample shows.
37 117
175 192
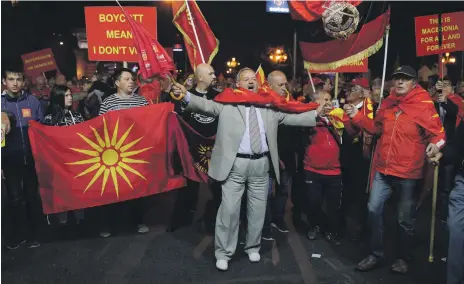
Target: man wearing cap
409 129
355 158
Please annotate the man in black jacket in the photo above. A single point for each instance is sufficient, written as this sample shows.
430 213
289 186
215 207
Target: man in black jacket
447 111
206 126
453 154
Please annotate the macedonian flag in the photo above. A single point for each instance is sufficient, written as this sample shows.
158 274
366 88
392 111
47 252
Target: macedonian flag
115 157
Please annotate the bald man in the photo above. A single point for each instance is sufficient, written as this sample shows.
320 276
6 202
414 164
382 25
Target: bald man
244 152
207 126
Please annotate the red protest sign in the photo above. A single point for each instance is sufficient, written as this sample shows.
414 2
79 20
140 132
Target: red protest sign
356 67
427 33
38 62
109 35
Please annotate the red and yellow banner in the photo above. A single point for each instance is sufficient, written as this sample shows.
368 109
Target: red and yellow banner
109 34
38 62
355 67
115 157
427 33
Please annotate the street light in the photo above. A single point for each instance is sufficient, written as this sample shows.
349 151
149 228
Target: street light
233 63
61 43
447 59
278 55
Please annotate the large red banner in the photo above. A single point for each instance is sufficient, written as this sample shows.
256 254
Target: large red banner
38 62
355 67
115 157
109 34
427 33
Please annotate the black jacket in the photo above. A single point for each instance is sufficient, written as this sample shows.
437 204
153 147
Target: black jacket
453 152
449 120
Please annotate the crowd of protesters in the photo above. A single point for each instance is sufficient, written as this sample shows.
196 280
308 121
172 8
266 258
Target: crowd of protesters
318 164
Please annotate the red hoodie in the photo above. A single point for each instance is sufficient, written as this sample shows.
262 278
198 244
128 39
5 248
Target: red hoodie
322 155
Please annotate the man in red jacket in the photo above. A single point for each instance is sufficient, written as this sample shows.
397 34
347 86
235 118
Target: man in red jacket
409 129
323 175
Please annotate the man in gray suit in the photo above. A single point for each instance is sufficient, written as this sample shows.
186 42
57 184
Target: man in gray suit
245 140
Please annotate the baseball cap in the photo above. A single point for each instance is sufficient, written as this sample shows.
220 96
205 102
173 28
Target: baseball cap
363 82
405 70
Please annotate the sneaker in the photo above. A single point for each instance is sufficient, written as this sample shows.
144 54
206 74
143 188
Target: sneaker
368 263
105 234
33 244
15 246
400 266
332 239
267 234
312 234
254 257
280 226
222 264
143 229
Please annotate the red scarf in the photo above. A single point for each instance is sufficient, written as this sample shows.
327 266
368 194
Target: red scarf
265 97
419 105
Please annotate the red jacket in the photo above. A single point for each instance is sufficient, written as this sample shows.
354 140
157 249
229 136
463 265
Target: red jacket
322 155
406 124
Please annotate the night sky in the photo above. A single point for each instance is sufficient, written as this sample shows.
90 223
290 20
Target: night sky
244 30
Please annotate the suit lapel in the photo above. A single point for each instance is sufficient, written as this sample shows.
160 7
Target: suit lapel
242 110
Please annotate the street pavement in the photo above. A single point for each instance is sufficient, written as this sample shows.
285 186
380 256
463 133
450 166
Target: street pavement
76 255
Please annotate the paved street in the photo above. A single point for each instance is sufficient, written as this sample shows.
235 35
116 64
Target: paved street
186 256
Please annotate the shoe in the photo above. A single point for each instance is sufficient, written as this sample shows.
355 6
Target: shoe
368 263
105 234
280 226
143 229
33 244
222 264
312 234
267 234
254 257
15 246
400 266
332 239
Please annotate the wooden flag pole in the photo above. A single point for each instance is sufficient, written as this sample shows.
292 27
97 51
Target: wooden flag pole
311 80
384 71
434 209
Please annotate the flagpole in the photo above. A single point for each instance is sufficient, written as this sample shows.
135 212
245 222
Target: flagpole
311 80
294 54
382 87
194 30
336 85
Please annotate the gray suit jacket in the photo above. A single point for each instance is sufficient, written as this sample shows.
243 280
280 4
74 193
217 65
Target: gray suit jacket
232 126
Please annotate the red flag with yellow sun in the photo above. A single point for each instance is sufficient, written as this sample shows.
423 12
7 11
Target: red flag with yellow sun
118 156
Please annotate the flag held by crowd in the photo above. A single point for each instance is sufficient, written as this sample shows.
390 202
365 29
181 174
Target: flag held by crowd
200 42
193 150
334 33
115 157
260 76
153 59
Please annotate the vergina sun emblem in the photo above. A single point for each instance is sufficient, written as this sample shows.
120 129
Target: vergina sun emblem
110 157
340 19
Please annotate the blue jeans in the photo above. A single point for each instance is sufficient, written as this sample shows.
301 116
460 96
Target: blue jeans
275 209
381 191
455 261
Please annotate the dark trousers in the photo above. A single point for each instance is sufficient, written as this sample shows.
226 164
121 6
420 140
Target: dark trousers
455 261
24 207
275 208
381 190
445 185
319 188
297 194
131 210
354 203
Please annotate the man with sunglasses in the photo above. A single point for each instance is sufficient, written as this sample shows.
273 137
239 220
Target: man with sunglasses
409 129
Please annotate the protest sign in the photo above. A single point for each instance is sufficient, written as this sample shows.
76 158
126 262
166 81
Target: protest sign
109 35
38 62
356 67
427 33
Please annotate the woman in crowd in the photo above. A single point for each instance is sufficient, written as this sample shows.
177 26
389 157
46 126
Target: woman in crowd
60 113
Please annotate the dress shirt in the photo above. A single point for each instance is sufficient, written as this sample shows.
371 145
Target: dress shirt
245 143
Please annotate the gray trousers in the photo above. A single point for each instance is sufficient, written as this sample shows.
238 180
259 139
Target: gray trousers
254 174
455 261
